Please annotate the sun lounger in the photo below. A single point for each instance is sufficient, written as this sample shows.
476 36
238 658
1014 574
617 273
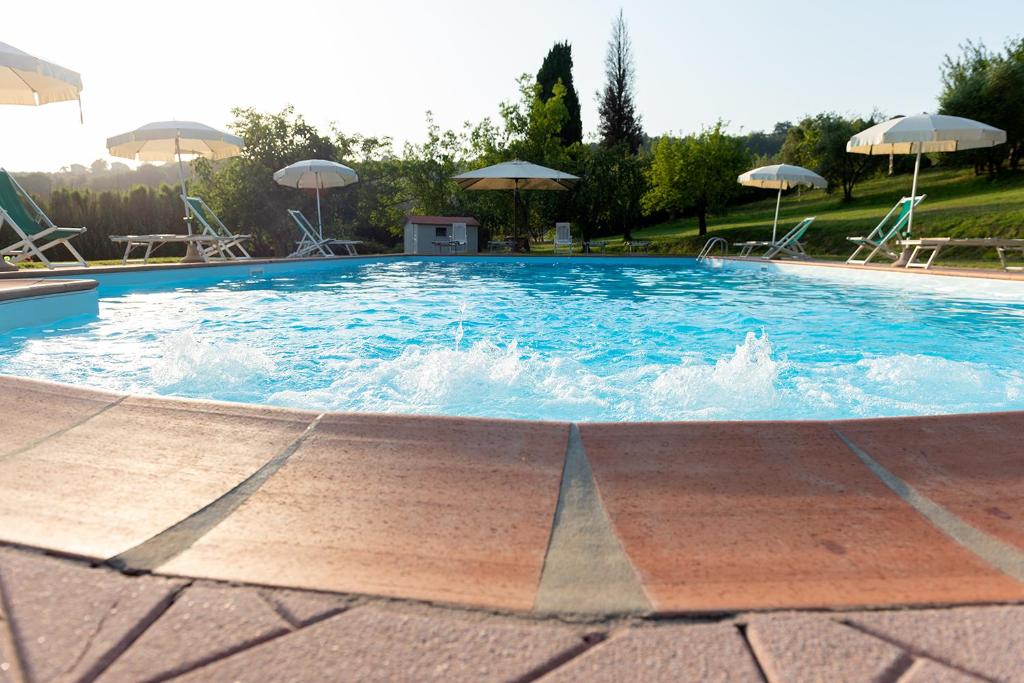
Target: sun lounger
310 244
788 245
934 245
501 244
893 227
348 245
212 225
563 238
36 233
204 243
638 246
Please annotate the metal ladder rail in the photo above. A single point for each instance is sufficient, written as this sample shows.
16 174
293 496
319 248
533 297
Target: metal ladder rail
705 253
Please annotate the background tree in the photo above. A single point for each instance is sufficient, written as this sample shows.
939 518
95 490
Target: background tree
819 143
989 87
766 145
619 123
557 68
697 173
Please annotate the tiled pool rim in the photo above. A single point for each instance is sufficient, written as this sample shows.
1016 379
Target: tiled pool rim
671 518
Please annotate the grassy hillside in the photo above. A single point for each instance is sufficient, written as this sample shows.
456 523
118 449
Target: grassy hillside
959 204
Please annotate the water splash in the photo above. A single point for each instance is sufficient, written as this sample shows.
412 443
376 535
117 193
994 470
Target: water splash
489 378
459 332
193 365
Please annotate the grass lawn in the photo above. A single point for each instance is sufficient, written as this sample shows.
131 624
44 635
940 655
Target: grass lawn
959 204
104 262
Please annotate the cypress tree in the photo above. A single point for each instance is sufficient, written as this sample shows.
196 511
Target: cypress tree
620 124
557 66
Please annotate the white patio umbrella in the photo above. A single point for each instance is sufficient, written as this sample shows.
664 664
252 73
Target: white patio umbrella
317 173
922 134
28 80
168 141
515 175
31 81
780 177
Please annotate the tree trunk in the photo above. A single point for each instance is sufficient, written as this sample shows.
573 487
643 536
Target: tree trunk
702 220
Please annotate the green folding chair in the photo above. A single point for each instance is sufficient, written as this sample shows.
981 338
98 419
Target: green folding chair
36 233
893 227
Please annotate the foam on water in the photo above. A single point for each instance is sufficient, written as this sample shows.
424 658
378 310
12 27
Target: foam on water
573 341
193 366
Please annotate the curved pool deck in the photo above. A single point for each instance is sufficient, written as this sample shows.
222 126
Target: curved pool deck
155 537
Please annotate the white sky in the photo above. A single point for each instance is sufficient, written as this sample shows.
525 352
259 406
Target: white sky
376 67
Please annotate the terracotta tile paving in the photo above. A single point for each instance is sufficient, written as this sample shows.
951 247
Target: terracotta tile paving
70 620
972 466
697 652
734 516
74 622
133 470
379 644
454 510
985 641
800 648
41 409
205 623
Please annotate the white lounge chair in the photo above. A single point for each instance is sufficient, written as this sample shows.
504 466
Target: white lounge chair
232 248
204 244
563 237
36 233
933 245
788 245
311 243
892 227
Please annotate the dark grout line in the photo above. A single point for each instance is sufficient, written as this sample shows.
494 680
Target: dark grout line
196 666
278 610
895 672
65 430
991 550
178 538
587 643
212 659
914 651
9 649
742 628
290 618
107 659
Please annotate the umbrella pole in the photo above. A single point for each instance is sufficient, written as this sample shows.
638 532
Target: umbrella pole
515 211
775 225
913 191
192 255
181 179
319 218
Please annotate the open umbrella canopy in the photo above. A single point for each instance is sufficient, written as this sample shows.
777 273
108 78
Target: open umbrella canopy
25 79
515 175
780 177
923 134
167 140
316 173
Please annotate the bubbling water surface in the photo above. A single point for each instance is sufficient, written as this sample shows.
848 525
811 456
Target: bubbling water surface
560 339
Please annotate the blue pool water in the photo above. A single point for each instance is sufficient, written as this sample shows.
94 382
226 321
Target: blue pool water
545 338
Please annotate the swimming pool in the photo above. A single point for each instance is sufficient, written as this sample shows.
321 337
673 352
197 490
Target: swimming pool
612 339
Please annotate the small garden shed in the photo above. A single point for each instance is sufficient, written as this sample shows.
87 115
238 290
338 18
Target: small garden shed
434 235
